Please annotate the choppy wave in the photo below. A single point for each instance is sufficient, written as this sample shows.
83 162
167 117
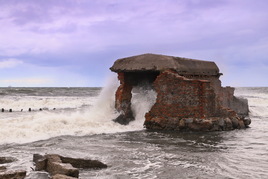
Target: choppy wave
257 99
143 98
90 115
22 127
140 154
19 103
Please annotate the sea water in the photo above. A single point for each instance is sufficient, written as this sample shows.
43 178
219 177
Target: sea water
77 122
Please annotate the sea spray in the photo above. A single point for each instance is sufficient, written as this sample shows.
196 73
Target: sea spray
257 100
143 98
233 154
23 127
103 108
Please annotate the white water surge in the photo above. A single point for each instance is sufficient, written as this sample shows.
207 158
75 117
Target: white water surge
136 154
23 127
143 98
257 100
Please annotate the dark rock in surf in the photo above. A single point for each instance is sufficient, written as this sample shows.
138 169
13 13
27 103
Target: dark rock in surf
4 160
53 165
10 174
123 119
20 174
60 176
83 163
2 168
40 162
57 164
247 121
62 168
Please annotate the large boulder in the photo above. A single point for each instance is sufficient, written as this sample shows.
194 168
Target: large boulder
83 163
20 174
59 166
53 164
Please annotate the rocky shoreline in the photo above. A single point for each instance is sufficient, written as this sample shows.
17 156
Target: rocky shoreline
5 173
49 166
197 124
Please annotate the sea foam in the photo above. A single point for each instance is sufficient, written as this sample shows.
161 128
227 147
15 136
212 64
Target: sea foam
96 119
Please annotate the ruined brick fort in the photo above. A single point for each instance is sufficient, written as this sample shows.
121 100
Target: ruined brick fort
189 94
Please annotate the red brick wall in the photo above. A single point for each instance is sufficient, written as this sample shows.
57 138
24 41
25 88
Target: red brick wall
123 94
180 97
181 104
225 95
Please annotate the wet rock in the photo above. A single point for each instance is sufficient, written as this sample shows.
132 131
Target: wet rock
241 124
55 164
4 160
40 162
83 163
60 176
200 125
205 124
189 120
195 124
215 125
234 122
182 124
247 121
20 174
221 123
62 168
228 124
53 158
37 175
2 168
36 157
123 119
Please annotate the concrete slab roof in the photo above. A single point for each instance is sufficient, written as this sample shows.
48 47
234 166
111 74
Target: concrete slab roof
155 62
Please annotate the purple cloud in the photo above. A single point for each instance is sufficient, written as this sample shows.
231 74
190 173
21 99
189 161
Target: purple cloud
90 35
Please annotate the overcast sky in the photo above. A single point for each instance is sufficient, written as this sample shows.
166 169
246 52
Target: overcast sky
74 42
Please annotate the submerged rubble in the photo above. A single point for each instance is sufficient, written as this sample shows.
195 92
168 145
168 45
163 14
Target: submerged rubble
54 165
64 167
20 174
189 94
6 173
